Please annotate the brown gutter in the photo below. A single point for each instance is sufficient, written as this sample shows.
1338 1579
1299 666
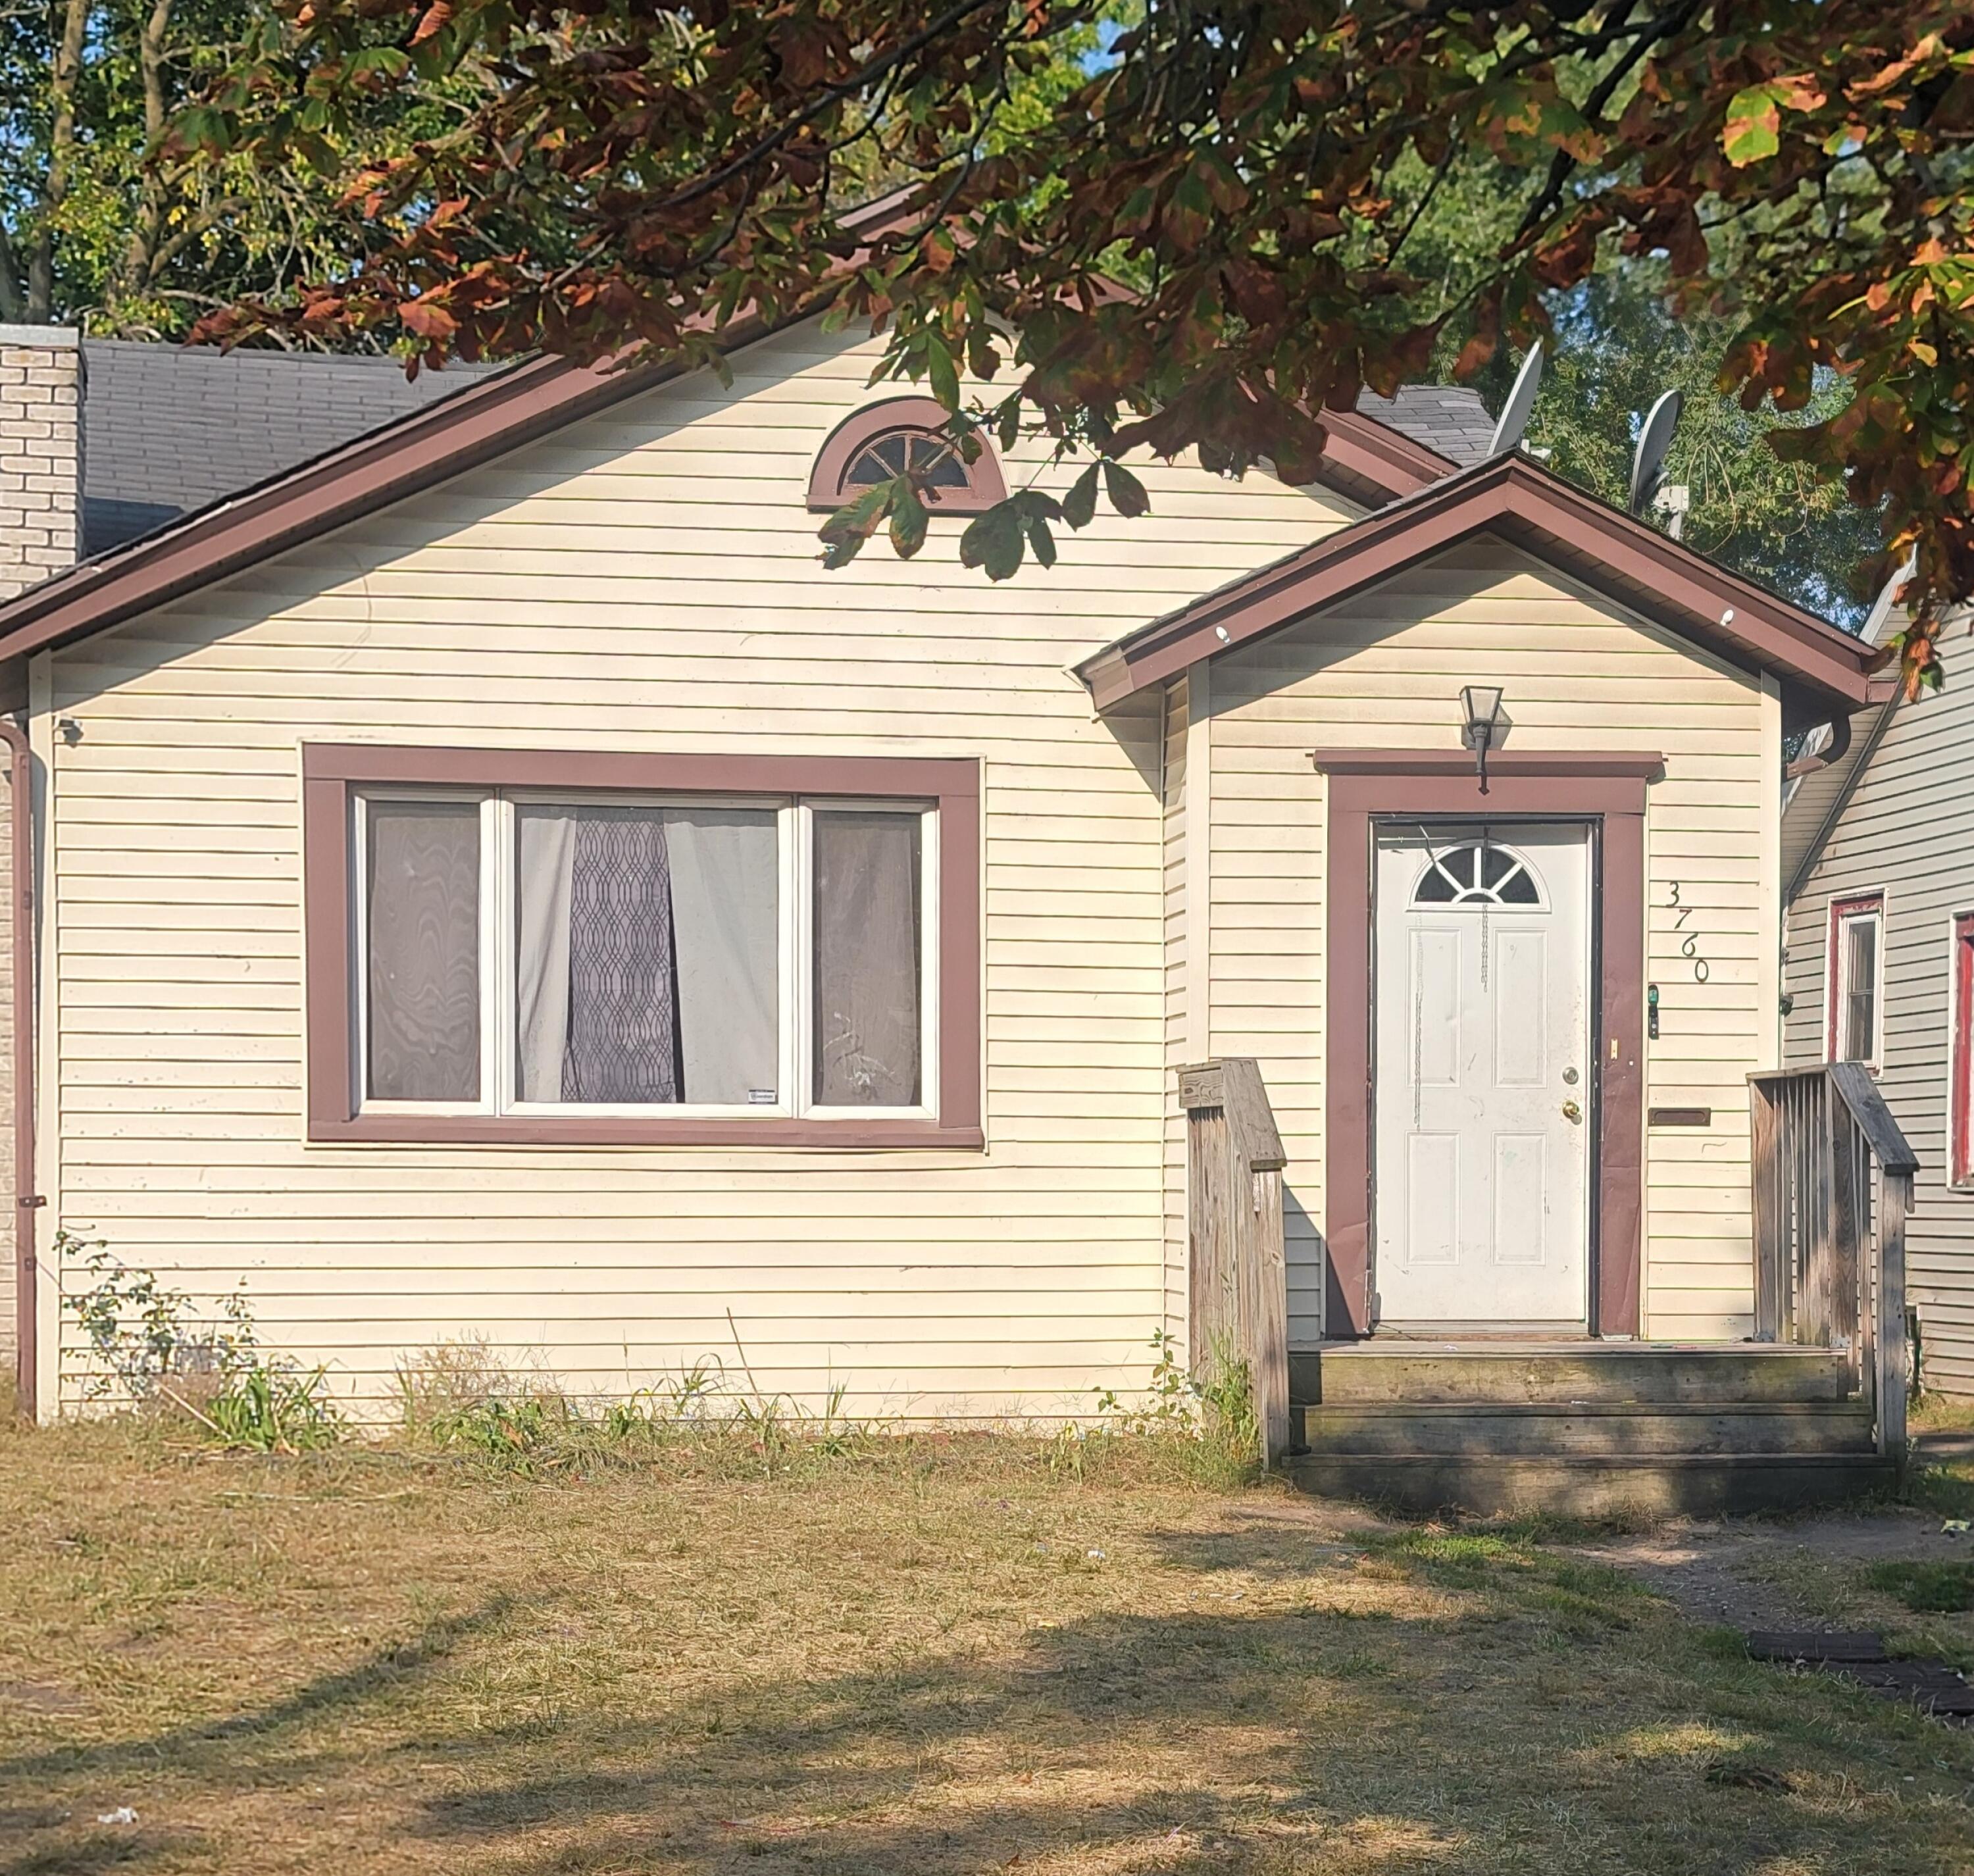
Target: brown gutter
27 1201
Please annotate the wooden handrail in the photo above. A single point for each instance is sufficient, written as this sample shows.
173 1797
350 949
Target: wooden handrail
1829 1258
1238 1277
1853 1081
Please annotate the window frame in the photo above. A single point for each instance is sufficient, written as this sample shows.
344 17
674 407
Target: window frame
985 488
339 779
1960 1051
1846 908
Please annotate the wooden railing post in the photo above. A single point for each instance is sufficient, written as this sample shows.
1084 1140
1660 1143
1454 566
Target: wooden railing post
1237 1278
1769 1203
1894 1199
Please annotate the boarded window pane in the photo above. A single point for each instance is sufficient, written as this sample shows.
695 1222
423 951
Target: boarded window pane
423 946
868 988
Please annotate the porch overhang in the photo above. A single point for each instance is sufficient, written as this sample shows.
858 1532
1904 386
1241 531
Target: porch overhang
1824 673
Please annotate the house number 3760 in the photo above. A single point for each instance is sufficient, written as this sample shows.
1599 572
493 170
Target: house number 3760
1689 943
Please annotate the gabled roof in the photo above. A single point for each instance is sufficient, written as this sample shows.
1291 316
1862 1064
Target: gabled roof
1511 495
455 428
169 428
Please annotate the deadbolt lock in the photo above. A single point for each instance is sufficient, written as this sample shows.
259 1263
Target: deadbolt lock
1570 1076
1571 1111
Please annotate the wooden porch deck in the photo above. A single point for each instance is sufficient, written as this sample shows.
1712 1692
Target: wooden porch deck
1811 1410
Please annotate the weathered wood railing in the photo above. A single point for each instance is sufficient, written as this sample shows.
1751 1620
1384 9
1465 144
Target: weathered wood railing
1238 1301
1830 1250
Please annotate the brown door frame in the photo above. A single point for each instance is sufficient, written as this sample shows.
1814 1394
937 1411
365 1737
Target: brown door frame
1607 790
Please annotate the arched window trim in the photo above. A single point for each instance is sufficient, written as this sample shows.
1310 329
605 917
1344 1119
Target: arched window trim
826 492
1468 894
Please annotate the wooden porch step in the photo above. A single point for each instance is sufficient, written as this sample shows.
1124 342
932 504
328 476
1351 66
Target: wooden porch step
1594 1485
1415 1429
1567 1373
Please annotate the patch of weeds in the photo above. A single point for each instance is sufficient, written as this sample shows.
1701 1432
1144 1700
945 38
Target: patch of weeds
1203 1422
1927 1588
151 1350
459 1397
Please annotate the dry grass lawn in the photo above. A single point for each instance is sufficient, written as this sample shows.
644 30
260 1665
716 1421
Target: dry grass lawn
915 1657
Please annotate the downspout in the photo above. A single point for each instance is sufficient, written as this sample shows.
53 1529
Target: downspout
26 1200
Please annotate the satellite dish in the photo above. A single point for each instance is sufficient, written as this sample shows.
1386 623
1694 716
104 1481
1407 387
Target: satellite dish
1873 630
1649 466
1521 402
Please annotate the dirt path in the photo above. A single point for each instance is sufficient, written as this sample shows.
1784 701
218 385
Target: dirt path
1750 1573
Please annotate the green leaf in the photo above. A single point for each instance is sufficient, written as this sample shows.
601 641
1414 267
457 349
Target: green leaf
844 534
1040 540
940 369
1079 506
994 541
1126 493
1754 125
908 523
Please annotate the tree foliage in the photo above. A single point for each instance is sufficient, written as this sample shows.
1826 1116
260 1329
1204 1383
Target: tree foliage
1616 349
105 221
1256 169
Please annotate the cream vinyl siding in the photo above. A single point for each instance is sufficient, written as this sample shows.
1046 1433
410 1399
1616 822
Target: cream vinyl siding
1384 671
8 1093
647 579
1907 830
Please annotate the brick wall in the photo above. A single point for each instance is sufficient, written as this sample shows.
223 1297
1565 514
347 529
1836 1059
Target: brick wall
40 454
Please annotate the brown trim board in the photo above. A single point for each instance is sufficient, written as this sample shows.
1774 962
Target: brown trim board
26 1200
330 770
984 486
1606 789
1511 497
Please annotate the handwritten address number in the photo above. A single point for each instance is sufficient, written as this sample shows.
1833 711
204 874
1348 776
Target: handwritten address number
1689 946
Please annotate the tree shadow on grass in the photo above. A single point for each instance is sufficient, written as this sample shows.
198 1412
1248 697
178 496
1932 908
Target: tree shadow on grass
192 1748
1481 1708
1504 1736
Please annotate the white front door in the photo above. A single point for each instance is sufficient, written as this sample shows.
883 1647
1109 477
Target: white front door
1482 1078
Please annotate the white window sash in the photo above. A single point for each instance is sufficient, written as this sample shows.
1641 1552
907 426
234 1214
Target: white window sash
500 1053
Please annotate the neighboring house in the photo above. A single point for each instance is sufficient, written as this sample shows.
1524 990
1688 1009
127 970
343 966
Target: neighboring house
1879 966
494 882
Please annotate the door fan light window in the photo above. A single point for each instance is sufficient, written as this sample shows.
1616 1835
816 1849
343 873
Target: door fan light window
531 955
1476 873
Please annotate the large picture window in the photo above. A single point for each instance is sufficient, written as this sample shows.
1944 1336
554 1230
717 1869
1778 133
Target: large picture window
1856 974
523 959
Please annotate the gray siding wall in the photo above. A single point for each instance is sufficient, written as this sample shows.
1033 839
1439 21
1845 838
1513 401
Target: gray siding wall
1908 829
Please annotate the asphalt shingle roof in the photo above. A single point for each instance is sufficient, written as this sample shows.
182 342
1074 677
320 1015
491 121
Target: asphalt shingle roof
1447 418
167 429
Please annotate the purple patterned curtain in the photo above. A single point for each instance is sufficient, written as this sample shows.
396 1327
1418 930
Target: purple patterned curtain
623 998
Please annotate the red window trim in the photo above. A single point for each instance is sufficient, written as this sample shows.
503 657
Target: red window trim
985 486
1848 906
1960 1055
329 771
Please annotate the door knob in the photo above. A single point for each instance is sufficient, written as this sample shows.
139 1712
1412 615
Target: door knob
1571 1112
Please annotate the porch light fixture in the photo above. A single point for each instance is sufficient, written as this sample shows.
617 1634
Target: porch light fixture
1482 703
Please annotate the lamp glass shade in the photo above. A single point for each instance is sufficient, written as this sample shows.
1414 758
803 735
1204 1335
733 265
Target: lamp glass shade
1483 711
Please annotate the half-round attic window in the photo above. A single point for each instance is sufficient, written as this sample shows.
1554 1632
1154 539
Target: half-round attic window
884 439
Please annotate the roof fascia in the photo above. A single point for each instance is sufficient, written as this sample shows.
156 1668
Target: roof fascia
1640 568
